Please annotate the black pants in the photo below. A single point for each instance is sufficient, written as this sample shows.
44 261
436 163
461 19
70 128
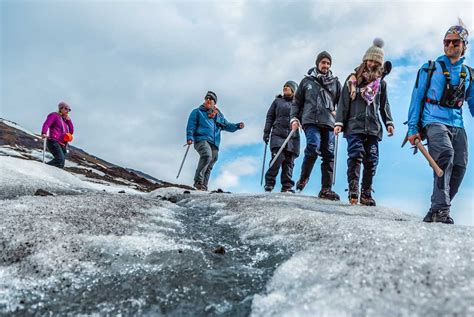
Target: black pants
58 151
362 148
287 161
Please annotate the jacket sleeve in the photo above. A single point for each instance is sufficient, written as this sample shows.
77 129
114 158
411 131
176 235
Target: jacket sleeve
49 121
228 126
470 95
271 114
70 125
385 106
192 125
343 108
416 99
298 102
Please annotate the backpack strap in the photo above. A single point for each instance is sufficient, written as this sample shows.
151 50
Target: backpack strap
431 68
469 69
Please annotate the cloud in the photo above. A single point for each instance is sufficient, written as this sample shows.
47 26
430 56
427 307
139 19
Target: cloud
231 172
132 85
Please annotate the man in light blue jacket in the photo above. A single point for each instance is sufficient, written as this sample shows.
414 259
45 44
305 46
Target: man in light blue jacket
204 128
436 113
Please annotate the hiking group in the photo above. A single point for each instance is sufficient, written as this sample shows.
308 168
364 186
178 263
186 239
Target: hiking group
321 107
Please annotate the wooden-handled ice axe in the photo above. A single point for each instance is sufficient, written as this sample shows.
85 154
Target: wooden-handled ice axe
439 172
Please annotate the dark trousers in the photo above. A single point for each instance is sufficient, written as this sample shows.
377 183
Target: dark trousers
448 147
287 162
362 148
319 141
58 151
208 154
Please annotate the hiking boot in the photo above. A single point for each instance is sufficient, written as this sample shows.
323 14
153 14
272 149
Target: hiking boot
366 197
268 188
428 217
287 190
199 186
327 193
353 193
301 183
442 216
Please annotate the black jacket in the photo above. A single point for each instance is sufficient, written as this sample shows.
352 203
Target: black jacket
355 116
309 106
278 124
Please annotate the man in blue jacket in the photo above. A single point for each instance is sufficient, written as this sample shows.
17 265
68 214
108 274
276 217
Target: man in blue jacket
435 112
204 128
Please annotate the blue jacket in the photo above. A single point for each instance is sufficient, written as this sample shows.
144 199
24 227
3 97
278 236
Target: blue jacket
434 113
202 128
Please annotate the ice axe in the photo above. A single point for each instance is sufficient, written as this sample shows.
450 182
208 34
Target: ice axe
387 68
283 146
335 160
263 164
44 148
439 172
44 145
184 158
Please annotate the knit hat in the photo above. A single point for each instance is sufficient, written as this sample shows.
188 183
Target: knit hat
322 55
375 52
62 104
293 86
211 95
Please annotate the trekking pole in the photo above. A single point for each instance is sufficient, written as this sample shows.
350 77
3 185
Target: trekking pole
184 158
427 155
335 160
263 164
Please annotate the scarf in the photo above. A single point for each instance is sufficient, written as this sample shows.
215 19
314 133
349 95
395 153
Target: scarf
369 92
368 83
327 83
212 112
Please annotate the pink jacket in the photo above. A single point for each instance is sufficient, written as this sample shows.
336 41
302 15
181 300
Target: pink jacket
58 127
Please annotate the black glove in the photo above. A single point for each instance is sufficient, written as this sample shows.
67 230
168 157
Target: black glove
266 138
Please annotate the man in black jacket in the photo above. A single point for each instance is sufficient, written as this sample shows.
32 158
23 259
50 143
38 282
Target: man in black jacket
278 127
314 107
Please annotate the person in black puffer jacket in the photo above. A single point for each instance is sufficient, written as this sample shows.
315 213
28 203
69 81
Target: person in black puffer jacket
277 128
314 107
364 95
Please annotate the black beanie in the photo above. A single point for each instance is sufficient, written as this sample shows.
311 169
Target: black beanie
211 95
322 55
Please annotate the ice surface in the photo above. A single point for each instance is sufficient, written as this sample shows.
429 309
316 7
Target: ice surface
286 255
23 177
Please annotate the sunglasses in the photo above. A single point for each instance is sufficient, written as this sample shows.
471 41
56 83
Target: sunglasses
210 98
67 109
456 42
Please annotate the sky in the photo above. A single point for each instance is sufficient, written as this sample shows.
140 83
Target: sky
132 72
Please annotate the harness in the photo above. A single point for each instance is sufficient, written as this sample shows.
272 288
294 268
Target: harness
453 95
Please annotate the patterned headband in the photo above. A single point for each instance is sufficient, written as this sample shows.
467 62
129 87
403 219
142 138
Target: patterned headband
461 31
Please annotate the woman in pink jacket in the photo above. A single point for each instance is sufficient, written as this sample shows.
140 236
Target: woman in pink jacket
60 133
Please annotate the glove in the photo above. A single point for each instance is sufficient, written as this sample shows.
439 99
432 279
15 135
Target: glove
266 138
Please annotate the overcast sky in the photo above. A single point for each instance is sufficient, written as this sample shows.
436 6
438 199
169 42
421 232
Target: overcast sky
132 71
